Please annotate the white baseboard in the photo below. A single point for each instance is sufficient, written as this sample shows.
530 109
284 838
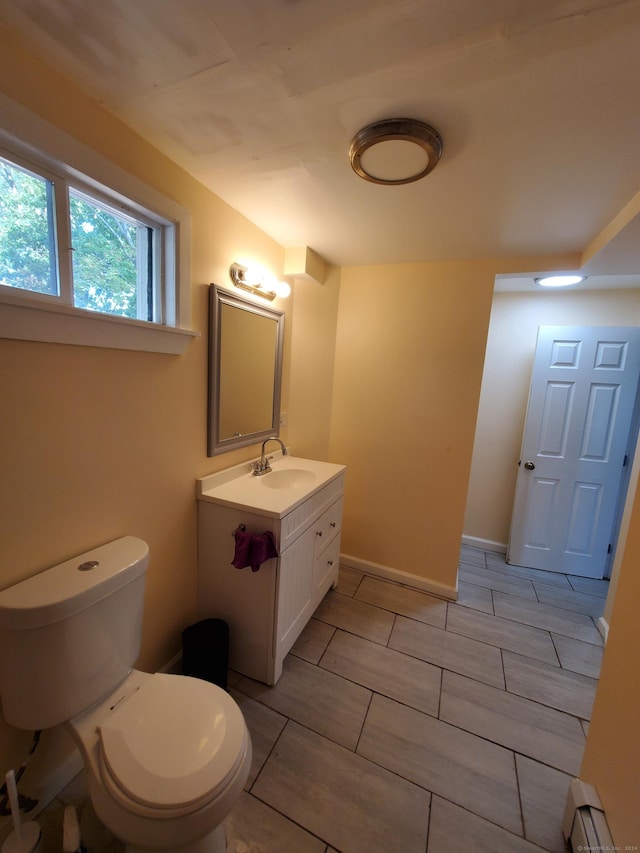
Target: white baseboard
603 626
406 578
484 544
584 825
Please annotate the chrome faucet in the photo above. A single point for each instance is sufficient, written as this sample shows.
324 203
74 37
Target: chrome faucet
261 466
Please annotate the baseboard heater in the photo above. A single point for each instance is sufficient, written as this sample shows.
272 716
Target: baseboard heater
585 826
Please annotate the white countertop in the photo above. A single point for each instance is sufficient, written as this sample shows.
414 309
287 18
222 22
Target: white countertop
293 481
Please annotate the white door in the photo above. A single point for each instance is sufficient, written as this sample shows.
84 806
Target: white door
581 407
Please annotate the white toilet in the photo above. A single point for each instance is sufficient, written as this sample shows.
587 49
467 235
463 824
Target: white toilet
166 756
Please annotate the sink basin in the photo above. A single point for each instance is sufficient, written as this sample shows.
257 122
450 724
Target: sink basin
287 478
290 482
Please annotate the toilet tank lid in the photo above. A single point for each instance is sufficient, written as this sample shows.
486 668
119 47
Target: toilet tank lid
66 589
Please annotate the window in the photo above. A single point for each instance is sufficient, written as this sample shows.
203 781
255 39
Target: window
86 257
27 229
115 253
115 260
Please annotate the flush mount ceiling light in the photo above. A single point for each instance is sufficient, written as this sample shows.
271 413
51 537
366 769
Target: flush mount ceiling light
395 151
559 280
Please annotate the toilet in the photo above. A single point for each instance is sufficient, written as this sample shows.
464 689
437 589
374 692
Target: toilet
167 756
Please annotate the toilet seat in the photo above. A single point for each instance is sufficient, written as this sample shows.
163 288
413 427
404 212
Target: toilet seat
172 746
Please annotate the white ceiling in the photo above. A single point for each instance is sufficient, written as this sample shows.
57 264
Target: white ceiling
537 103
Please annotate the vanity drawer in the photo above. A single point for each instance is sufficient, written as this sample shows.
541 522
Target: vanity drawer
327 526
325 568
299 519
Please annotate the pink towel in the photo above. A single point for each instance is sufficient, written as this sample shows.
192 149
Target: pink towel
253 549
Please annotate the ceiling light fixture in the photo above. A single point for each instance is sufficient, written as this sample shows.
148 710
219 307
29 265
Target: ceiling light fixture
257 282
559 280
395 151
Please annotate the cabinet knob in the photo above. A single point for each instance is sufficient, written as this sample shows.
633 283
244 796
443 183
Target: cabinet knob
329 562
333 524
318 532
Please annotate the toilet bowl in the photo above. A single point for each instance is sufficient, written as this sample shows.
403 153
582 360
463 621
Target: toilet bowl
167 756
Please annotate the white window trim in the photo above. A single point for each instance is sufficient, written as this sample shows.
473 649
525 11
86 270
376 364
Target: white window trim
37 319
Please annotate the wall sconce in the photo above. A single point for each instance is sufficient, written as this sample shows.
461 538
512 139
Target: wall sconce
257 282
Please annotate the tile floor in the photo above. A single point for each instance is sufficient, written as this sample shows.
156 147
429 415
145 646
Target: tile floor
406 724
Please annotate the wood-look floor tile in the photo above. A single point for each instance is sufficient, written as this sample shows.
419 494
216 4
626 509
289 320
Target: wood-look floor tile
543 793
568 599
503 633
233 677
265 727
409 680
359 618
476 597
445 760
550 685
313 640
349 802
548 617
455 830
326 703
497 581
254 826
402 599
498 563
578 656
592 586
472 556
542 733
496 558
448 650
348 581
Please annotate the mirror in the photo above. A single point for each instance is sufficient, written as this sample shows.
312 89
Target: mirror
245 371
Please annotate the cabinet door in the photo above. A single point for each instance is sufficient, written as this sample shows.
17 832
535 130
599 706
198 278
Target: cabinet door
294 592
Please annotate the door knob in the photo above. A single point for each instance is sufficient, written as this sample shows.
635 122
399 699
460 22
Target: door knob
529 466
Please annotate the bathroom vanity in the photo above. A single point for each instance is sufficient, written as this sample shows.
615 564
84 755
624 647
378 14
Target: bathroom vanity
300 502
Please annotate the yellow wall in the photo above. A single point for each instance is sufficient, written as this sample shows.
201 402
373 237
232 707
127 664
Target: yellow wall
313 341
409 354
515 318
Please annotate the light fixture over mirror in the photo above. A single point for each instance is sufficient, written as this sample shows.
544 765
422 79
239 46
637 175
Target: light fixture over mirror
395 151
256 281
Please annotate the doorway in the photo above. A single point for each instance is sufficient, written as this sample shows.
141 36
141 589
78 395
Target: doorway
577 442
514 323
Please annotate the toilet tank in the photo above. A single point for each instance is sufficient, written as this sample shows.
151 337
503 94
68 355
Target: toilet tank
71 634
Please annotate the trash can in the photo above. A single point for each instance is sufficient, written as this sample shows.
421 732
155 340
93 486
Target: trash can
205 651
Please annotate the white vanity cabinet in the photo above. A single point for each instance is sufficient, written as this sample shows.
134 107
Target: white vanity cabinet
266 610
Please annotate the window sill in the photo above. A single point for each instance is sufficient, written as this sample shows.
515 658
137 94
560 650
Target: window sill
60 324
